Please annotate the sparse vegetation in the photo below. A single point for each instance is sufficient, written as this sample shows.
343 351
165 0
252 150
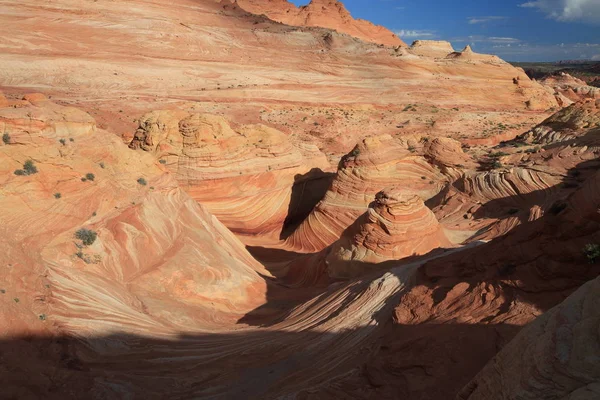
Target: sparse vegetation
63 142
6 138
29 168
592 252
142 181
87 236
496 164
101 164
42 317
16 299
90 177
162 161
57 195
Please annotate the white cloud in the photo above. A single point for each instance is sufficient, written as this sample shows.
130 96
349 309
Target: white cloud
407 33
596 57
568 10
486 39
483 20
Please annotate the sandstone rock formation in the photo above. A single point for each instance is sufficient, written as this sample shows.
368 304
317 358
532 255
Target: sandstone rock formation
325 14
156 255
469 55
432 48
566 86
395 227
221 255
244 176
375 163
148 56
552 358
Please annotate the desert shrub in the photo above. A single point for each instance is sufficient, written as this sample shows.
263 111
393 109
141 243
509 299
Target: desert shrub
63 142
90 177
87 236
162 161
592 252
29 168
57 195
496 164
101 164
6 138
142 181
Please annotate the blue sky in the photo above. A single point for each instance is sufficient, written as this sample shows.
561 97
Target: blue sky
516 30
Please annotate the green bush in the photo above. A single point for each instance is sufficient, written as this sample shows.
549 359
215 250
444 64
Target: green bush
90 177
142 181
592 252
87 236
496 164
57 195
6 138
29 168
63 142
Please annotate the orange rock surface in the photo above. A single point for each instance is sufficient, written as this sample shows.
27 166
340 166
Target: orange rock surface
325 14
243 175
203 202
395 227
375 164
137 56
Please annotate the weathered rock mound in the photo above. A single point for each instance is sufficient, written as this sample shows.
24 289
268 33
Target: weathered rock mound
243 175
468 54
154 249
431 48
375 164
569 89
325 14
554 357
395 227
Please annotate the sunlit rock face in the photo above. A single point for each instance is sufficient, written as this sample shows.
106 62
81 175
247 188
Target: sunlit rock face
396 226
325 14
376 163
243 175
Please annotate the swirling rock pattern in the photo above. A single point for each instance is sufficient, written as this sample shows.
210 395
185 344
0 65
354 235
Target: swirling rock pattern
157 250
325 14
375 163
565 85
555 357
244 176
395 227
